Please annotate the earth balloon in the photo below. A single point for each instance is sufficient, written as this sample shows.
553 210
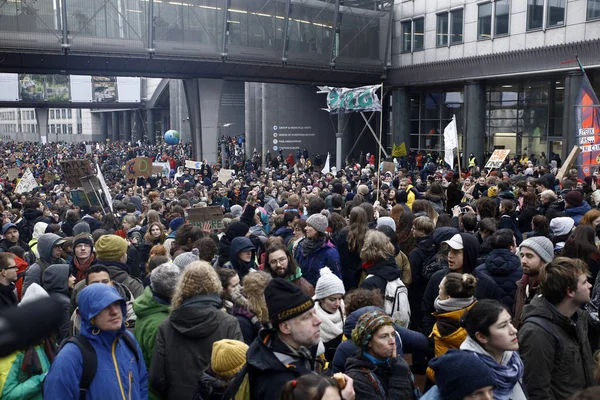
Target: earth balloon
171 137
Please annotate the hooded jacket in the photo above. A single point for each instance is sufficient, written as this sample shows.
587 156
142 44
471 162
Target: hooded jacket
56 281
286 233
34 272
552 370
120 374
381 273
324 256
576 213
242 268
184 345
553 209
504 267
424 249
349 260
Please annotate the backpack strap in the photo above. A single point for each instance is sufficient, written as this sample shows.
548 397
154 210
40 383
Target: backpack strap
90 362
375 382
548 327
130 342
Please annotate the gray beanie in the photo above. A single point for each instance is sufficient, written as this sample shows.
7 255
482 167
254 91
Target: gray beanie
236 211
163 279
81 227
542 246
185 259
319 222
386 221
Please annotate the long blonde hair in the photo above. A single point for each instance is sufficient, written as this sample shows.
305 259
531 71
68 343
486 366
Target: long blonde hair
254 290
198 278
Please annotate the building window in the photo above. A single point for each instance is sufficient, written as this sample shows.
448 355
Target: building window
70 129
501 17
79 113
51 114
545 14
52 128
79 129
535 14
593 9
442 30
556 12
413 35
64 113
69 113
484 21
456 26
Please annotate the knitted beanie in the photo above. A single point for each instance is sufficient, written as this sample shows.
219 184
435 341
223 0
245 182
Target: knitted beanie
367 325
319 222
574 198
111 248
176 223
81 227
285 301
185 259
458 373
560 226
386 221
542 246
83 238
236 211
328 285
236 229
228 357
492 191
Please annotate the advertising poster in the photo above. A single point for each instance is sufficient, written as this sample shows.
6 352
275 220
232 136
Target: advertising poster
130 89
31 87
81 88
57 88
104 89
9 87
587 128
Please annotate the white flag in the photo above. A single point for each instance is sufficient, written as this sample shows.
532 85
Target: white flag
326 168
450 141
27 183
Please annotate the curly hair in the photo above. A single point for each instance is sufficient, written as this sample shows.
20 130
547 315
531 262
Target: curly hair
377 247
254 290
198 278
359 298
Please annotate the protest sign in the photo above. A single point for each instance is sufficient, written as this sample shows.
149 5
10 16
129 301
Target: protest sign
27 183
139 166
18 154
74 170
206 217
193 164
13 173
104 188
497 158
88 148
79 198
49 177
388 166
569 162
160 168
225 175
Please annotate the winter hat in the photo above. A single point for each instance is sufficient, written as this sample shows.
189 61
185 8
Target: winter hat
185 259
81 227
542 246
574 198
236 211
8 226
176 223
560 226
285 301
363 189
319 222
228 357
386 221
236 229
493 191
459 373
111 247
367 325
83 238
328 285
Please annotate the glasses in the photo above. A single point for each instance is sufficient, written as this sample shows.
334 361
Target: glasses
11 267
278 261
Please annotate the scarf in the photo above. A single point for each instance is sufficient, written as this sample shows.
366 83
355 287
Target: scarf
83 267
452 304
310 245
507 374
332 325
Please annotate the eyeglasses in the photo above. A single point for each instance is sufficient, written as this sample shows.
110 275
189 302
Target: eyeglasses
278 261
82 246
11 267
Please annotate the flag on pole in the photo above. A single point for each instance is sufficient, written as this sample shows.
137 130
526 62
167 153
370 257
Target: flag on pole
450 141
27 183
326 168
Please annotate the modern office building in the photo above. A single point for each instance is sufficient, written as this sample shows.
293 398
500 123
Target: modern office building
505 68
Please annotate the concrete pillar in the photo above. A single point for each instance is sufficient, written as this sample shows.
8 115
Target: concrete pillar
192 96
138 129
474 123
268 94
150 132
210 106
41 115
401 117
104 126
115 126
249 123
339 141
572 87
258 121
128 134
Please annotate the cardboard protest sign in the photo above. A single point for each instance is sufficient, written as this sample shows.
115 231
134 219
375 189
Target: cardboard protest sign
27 183
18 154
193 164
74 170
160 168
206 217
569 162
139 166
497 158
79 198
225 175
388 166
13 173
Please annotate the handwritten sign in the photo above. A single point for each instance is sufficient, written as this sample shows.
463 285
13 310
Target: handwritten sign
140 166
193 164
497 158
79 198
160 168
225 175
27 183
388 167
206 217
13 173
74 170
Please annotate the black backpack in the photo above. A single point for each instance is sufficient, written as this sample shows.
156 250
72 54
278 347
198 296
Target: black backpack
90 361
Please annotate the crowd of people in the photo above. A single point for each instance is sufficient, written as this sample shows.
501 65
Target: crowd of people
419 282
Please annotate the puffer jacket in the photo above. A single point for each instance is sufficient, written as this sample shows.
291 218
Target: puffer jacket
184 345
576 213
324 256
557 363
504 267
119 370
34 272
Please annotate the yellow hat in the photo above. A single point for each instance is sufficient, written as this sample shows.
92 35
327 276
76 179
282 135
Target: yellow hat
492 191
228 357
110 248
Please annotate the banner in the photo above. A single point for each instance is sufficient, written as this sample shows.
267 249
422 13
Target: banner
345 100
74 170
193 164
326 169
161 168
104 188
450 142
587 127
27 183
225 175
399 151
497 158
206 217
139 166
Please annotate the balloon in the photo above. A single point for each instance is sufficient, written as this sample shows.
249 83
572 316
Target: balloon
171 137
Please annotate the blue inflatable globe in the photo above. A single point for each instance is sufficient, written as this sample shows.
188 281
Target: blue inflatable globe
171 137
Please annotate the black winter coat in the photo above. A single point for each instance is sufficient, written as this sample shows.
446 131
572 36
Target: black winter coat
383 272
505 269
350 261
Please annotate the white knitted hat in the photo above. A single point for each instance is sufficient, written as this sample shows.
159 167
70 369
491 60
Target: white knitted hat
328 285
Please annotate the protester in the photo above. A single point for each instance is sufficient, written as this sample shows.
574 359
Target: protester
249 305
84 257
49 250
280 263
8 277
58 281
330 309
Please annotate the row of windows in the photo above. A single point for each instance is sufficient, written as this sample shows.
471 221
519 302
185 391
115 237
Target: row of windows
7 116
27 114
493 20
65 113
29 128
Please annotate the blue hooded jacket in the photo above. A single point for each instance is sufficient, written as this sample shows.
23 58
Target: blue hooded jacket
504 267
131 381
576 213
325 256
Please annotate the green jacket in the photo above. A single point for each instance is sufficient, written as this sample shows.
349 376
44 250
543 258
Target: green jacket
150 313
16 383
